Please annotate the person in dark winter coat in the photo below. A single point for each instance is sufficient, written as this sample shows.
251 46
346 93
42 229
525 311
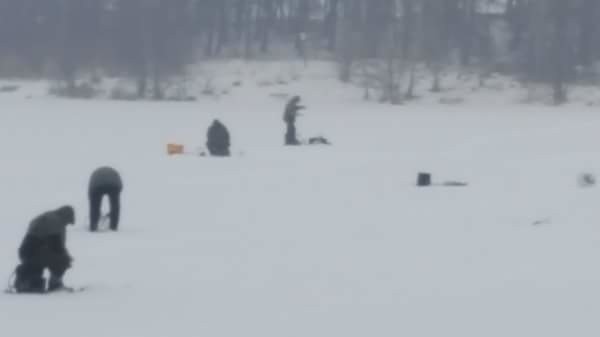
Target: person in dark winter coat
44 246
105 181
217 139
292 109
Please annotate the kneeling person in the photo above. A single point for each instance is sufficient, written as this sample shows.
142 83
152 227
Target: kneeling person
44 246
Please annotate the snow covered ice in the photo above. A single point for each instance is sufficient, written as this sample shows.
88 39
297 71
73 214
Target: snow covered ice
310 241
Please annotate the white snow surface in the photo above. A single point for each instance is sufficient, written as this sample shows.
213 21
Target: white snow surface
310 241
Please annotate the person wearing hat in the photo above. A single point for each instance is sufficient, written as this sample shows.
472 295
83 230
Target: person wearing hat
44 246
292 109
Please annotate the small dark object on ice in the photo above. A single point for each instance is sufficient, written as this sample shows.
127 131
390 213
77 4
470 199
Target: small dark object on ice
424 179
541 222
455 183
587 180
318 140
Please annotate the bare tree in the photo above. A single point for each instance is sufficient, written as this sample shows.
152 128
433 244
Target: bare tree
435 40
410 43
78 38
553 41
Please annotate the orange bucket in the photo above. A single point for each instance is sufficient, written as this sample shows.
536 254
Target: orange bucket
174 149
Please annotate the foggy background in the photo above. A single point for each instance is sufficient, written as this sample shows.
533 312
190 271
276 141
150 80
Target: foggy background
378 43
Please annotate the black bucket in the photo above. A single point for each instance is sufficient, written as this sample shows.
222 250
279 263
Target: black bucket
424 179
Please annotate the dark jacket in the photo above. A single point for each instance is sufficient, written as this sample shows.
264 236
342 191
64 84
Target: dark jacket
217 139
105 177
47 232
291 110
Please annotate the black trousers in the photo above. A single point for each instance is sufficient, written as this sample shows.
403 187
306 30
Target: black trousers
37 254
290 134
33 269
95 197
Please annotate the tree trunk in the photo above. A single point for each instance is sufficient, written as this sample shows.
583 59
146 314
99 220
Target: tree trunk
266 24
561 51
223 24
331 24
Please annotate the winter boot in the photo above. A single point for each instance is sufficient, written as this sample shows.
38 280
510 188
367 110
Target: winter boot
55 283
25 283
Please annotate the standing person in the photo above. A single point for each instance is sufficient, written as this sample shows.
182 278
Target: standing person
44 246
292 109
105 181
217 139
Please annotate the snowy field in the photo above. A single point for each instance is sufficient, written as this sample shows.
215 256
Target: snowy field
310 241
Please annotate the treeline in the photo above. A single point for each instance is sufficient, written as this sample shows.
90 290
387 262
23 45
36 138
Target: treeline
538 41
552 42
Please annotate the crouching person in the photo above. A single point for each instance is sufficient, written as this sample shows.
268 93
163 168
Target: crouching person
44 247
105 181
217 139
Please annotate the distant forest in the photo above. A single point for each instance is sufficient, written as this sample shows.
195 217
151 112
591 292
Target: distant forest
555 42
